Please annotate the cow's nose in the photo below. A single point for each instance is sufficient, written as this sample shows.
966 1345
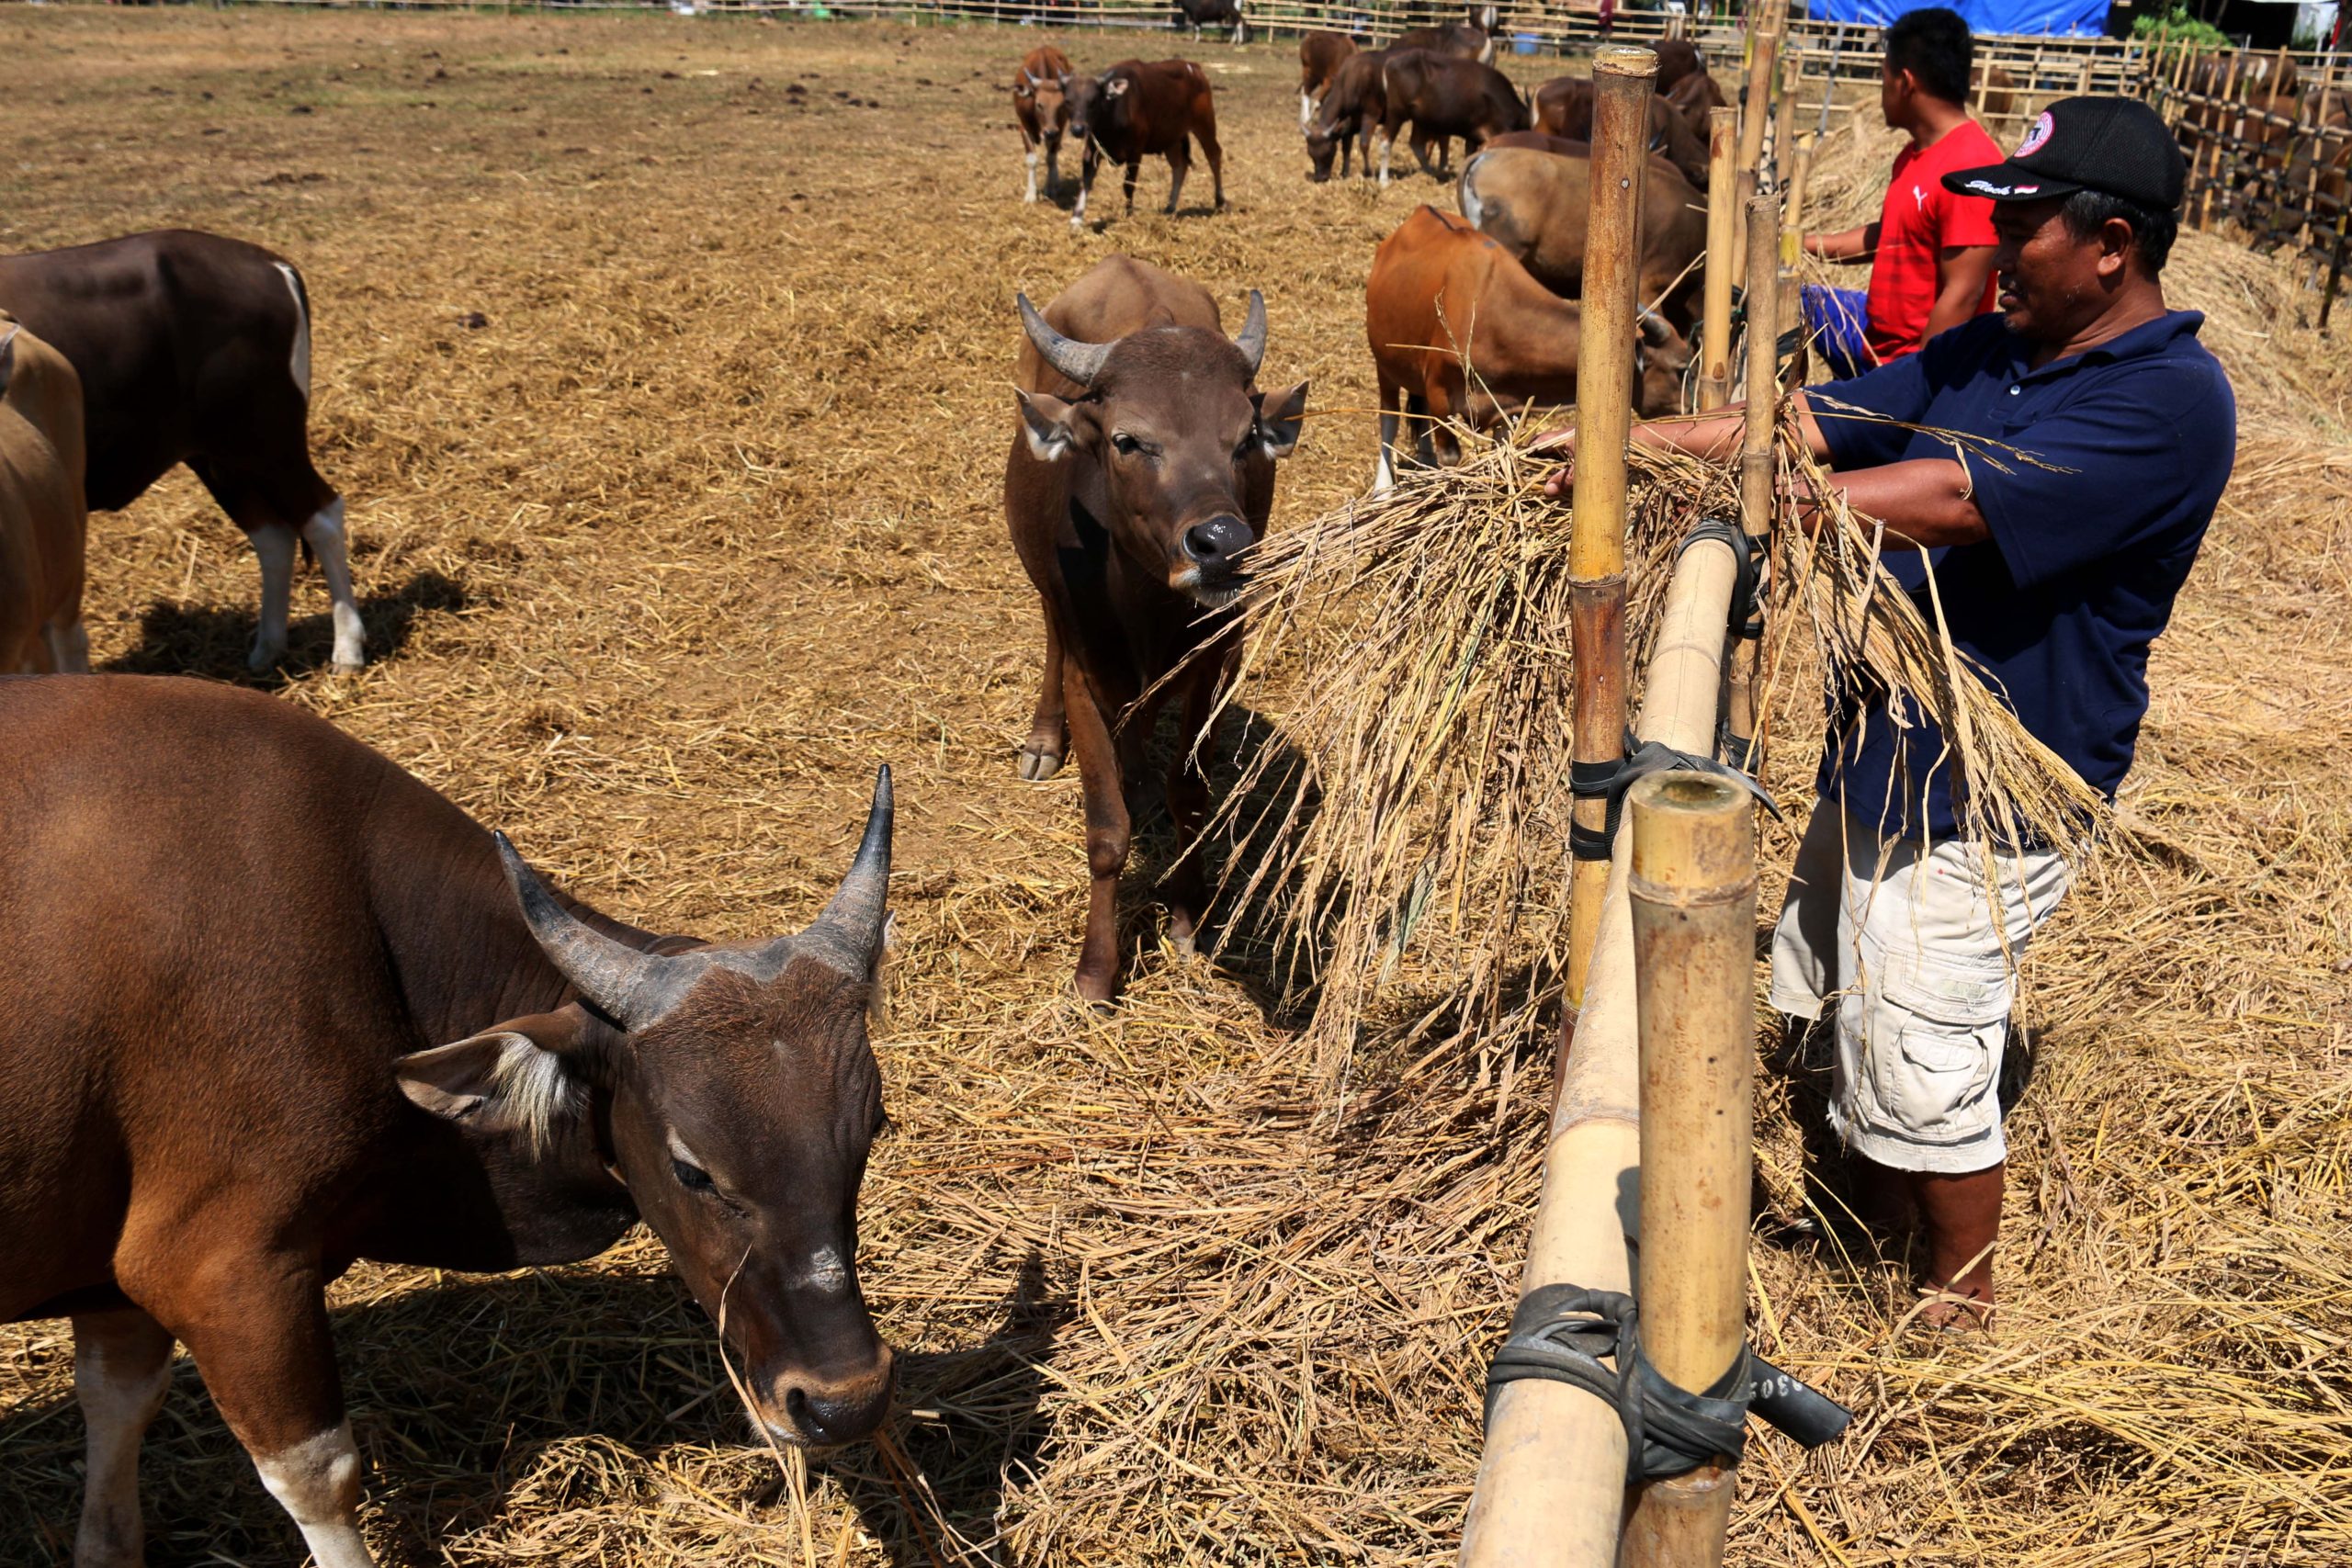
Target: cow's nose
1215 542
842 1412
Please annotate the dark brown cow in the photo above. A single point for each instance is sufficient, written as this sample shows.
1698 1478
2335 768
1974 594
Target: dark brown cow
1321 55
1694 98
1197 14
44 525
1137 110
1458 329
1462 41
1533 203
1441 96
272 1005
1042 112
1347 116
197 349
1678 58
1142 472
1564 108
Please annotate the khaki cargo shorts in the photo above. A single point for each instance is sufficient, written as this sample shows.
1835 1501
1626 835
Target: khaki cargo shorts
1906 943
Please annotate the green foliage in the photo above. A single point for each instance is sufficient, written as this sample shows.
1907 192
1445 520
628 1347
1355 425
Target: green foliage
2178 25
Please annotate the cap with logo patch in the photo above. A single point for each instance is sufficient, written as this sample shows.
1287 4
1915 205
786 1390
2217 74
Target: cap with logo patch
2115 145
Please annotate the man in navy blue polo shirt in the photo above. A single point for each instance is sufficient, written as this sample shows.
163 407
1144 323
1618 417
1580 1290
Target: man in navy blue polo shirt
2054 576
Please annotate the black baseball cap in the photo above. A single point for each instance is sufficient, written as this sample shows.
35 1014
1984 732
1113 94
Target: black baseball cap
2115 145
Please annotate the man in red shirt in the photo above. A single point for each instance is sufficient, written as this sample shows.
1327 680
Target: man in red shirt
1930 252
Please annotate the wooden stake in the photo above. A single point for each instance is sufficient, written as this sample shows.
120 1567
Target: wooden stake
1793 214
1785 115
1755 109
1692 895
1621 79
1757 459
1723 222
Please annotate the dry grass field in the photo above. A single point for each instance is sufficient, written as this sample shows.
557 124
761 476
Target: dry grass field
665 364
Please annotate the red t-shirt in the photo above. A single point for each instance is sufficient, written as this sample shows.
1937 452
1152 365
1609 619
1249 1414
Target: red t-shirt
1920 220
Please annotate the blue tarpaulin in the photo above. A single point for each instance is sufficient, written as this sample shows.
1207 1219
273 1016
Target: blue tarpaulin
1982 16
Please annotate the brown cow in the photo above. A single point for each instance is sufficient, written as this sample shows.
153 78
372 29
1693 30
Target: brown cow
1462 41
1137 110
1693 97
42 521
1042 112
1678 60
1142 472
1443 96
1533 203
272 1005
1350 112
1321 55
1564 108
196 349
1458 329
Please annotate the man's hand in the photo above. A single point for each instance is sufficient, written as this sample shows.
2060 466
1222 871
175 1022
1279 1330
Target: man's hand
1560 444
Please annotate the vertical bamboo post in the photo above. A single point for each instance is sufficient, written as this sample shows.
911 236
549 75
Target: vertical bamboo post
1757 459
1829 83
1621 78
1756 106
1692 889
2212 149
1792 213
1723 212
1784 114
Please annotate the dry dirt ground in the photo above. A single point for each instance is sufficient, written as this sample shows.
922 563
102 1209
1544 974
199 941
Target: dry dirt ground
665 364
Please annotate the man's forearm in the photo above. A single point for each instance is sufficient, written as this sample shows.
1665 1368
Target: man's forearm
1927 501
1716 436
1848 245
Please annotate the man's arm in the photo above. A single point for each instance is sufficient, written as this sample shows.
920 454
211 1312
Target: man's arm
1850 245
1960 271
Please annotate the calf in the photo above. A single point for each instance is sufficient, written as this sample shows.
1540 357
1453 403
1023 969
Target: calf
1678 60
302 1010
1564 108
1443 96
1197 14
1533 203
1137 110
1350 112
42 525
1458 330
1461 40
1321 55
196 349
1042 112
1142 472
1693 97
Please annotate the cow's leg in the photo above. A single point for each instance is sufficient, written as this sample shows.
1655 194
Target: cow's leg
257 1327
1215 155
324 533
1306 111
122 1365
1127 183
273 547
1041 755
1030 157
1053 163
1089 159
1387 146
1188 806
1180 163
1107 834
69 642
1384 478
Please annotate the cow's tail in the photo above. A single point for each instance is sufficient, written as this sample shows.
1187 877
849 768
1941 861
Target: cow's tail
299 358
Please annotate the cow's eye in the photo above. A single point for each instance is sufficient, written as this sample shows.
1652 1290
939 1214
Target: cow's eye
1126 446
692 1177
1241 453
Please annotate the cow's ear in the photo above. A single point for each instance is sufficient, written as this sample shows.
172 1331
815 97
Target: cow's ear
1116 86
1280 414
511 1074
1053 426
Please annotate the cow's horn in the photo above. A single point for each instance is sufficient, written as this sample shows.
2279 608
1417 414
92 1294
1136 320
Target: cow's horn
1081 362
1653 327
1252 341
848 934
632 989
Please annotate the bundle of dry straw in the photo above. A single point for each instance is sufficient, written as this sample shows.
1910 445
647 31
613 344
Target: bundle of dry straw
1417 829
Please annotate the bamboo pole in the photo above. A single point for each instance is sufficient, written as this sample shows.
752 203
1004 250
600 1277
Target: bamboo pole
1723 213
1621 79
1793 214
1756 460
1784 117
2213 144
1692 887
1551 1488
1756 105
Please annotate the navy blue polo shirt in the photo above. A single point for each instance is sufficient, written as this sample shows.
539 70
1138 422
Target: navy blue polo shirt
2131 444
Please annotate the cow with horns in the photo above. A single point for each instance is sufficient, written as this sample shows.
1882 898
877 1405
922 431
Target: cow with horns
1042 112
1139 109
196 349
1142 473
273 1005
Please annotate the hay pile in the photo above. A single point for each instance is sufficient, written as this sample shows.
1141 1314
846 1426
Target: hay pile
703 524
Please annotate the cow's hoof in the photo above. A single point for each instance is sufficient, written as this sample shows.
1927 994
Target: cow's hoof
1100 993
264 658
1186 945
1037 766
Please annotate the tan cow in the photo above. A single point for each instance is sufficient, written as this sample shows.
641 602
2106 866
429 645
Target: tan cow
1458 329
1533 203
42 518
1042 113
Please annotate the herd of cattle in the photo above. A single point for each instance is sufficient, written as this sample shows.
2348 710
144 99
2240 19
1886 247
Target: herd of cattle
273 1005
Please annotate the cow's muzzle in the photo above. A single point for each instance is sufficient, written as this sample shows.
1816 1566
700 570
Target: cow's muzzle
1213 551
821 1411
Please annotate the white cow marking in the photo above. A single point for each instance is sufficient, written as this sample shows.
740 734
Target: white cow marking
301 364
317 1482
